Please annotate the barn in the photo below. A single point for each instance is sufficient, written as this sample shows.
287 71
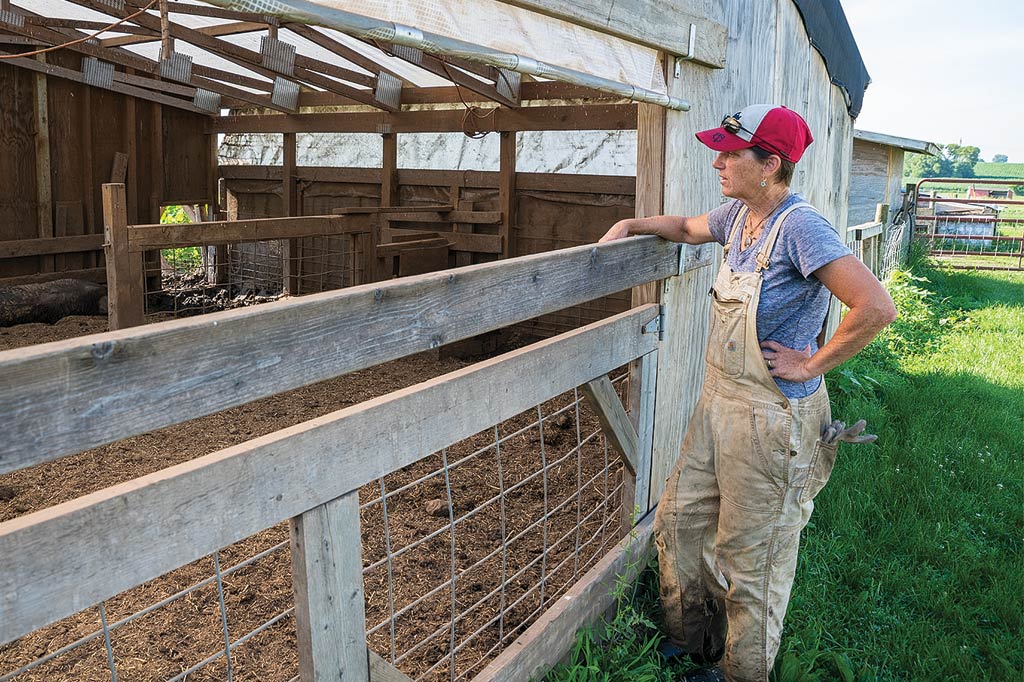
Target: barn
463 524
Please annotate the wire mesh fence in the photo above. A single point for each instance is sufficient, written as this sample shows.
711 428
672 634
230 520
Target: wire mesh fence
197 279
461 552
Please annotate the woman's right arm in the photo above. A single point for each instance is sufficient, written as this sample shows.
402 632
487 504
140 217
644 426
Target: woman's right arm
673 228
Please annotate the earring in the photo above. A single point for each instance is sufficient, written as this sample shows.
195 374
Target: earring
763 183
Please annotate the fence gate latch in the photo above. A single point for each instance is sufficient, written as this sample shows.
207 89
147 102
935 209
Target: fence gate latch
657 325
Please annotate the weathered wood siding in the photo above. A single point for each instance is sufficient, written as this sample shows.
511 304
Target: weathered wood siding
167 159
876 177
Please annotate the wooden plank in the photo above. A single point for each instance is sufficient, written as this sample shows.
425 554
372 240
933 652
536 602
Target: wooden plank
568 117
17 248
98 275
448 216
145 237
44 192
457 241
396 248
539 182
56 562
551 636
507 193
125 305
327 577
217 30
143 379
529 90
605 403
657 24
382 671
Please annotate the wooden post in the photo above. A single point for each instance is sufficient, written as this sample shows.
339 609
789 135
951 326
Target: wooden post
327 575
44 197
385 268
878 245
462 258
291 271
650 193
507 194
684 298
151 259
124 268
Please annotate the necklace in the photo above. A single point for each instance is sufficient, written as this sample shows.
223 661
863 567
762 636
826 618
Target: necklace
750 236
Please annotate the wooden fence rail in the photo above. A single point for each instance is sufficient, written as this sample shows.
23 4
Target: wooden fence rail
66 397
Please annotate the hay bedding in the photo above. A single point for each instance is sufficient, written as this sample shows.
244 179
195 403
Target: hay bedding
170 639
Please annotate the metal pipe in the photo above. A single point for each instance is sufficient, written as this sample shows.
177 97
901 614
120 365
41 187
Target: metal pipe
377 29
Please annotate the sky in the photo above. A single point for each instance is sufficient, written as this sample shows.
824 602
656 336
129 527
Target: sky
944 71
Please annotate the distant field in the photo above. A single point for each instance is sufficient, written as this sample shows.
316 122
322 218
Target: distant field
999 170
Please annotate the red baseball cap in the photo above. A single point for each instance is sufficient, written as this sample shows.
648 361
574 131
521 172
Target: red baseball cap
775 129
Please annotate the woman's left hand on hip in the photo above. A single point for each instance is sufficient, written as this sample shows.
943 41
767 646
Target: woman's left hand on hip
787 363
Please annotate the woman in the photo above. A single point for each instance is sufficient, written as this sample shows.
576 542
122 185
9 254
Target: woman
728 524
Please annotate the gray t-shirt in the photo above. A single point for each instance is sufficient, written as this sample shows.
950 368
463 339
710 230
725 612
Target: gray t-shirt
793 301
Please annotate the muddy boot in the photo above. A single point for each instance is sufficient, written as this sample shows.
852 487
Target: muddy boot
712 674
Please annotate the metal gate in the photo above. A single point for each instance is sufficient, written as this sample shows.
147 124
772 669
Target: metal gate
971 223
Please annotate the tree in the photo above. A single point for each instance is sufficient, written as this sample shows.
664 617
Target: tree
953 161
1000 158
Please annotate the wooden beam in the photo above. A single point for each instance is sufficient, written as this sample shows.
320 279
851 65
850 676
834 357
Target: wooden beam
551 636
159 378
327 577
605 403
540 182
218 30
44 192
441 67
650 194
18 248
125 305
98 275
546 90
570 117
291 265
382 671
344 51
664 26
56 562
507 193
156 236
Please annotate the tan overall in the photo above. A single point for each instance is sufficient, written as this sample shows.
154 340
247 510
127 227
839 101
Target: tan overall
728 524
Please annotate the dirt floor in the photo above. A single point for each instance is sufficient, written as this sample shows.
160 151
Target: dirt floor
169 640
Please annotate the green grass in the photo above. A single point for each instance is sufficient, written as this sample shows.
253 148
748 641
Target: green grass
911 567
999 170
